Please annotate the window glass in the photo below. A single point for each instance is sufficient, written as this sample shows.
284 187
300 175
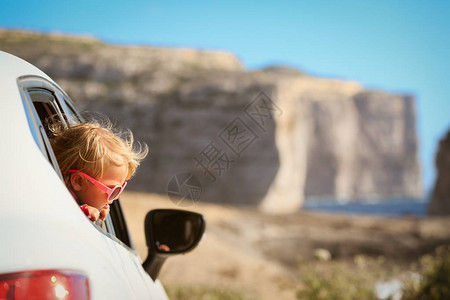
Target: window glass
44 103
31 123
70 114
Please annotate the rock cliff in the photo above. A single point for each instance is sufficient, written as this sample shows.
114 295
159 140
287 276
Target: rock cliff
268 137
440 201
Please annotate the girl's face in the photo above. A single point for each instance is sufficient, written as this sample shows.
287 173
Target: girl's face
91 195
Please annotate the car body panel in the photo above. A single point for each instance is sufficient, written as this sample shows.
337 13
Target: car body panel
42 225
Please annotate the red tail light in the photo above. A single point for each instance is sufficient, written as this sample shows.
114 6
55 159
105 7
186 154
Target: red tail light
44 284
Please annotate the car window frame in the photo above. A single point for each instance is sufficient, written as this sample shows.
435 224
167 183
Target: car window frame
35 123
66 111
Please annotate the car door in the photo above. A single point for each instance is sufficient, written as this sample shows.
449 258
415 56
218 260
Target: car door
45 101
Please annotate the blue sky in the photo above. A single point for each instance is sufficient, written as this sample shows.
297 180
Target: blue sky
399 46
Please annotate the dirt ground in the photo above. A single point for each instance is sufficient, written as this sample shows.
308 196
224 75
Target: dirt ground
259 254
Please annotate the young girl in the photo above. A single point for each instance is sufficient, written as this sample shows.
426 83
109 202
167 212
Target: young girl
96 163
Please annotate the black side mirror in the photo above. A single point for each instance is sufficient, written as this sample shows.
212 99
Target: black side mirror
169 232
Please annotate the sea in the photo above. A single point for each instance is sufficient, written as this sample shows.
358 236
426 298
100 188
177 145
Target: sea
384 207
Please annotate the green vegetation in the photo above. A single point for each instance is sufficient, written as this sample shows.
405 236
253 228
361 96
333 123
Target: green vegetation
204 293
429 279
340 280
434 280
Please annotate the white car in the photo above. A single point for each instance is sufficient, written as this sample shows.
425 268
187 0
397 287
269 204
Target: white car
48 248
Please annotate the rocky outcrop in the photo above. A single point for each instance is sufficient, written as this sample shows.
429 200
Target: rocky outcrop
265 138
440 201
342 141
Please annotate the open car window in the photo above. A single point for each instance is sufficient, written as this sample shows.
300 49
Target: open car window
44 103
39 105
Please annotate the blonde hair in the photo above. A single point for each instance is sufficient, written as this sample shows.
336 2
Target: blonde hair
92 147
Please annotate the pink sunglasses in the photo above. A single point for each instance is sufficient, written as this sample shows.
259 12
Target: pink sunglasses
113 193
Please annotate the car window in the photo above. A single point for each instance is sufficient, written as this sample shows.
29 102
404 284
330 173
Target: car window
46 107
38 111
70 114
44 103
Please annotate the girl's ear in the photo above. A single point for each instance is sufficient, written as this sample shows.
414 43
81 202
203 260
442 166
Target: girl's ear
76 181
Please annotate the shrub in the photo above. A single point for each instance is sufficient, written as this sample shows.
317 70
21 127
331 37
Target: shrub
342 281
195 292
434 280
